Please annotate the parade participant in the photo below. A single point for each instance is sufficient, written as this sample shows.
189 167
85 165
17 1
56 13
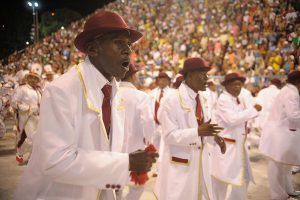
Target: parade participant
26 101
185 117
157 95
77 149
281 138
266 98
232 115
139 124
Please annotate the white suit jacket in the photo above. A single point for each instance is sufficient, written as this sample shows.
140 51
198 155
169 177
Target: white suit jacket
139 123
72 156
27 100
265 98
230 167
182 160
281 134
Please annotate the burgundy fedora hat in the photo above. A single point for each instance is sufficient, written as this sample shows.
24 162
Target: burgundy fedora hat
232 77
194 64
276 81
163 75
103 22
293 77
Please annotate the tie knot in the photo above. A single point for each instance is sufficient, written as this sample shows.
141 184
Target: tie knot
197 97
106 90
237 100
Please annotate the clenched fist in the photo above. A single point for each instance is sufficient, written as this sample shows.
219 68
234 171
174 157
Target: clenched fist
141 161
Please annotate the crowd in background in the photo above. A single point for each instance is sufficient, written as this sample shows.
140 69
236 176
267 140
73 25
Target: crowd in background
256 38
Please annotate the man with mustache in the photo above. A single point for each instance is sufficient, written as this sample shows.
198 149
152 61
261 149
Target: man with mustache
185 118
233 167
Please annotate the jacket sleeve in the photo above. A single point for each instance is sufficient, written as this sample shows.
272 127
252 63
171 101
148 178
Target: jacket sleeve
231 117
171 131
291 103
56 145
147 119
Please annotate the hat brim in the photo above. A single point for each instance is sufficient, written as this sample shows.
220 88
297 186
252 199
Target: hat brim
83 38
203 69
242 79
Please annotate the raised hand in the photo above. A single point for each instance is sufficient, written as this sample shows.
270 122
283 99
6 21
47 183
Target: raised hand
208 129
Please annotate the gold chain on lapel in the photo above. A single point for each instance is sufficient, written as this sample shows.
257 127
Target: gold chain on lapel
89 103
181 102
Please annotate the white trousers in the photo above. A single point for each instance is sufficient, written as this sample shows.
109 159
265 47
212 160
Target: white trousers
204 190
280 180
134 193
107 195
237 192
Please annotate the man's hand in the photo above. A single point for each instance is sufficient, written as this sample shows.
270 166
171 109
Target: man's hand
141 161
208 129
220 141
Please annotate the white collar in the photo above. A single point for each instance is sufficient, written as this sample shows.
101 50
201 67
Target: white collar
192 94
126 84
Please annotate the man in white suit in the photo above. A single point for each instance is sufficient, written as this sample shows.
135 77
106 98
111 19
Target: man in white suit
157 96
233 167
77 149
139 124
185 118
281 138
26 101
266 98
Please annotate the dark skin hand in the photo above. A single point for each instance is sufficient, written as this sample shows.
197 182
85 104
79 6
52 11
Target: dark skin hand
208 129
141 161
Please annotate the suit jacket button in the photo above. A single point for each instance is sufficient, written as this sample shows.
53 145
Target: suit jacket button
113 186
107 186
118 186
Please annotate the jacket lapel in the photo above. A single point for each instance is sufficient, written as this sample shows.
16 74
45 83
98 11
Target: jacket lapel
205 107
94 102
187 106
93 91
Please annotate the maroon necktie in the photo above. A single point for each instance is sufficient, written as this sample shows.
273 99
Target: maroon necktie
157 104
237 100
106 107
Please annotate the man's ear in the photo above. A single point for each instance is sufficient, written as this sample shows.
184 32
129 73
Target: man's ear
91 49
